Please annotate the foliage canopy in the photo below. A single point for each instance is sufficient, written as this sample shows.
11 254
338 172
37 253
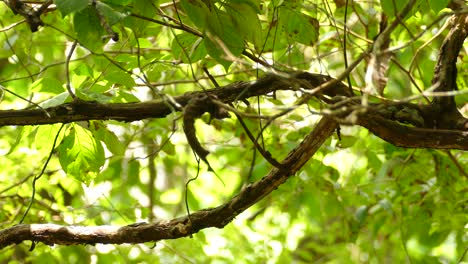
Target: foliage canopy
304 131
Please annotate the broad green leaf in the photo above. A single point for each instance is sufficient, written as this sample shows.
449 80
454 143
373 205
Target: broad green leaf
111 15
119 2
275 101
169 148
88 29
108 137
253 4
56 100
245 19
346 141
393 7
144 43
120 77
83 70
197 11
45 136
194 47
66 6
18 139
224 34
48 85
217 53
144 7
437 5
299 27
124 97
134 168
222 40
462 100
80 154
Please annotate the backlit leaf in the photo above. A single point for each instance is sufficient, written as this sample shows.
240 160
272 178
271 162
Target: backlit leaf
80 154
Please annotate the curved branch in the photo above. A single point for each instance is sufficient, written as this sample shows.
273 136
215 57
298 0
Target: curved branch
412 137
180 227
445 72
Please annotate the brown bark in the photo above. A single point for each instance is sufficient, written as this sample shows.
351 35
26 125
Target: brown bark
452 138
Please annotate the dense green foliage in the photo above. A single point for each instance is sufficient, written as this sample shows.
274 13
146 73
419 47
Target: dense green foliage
359 200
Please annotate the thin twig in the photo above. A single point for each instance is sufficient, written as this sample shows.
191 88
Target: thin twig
36 178
67 69
457 164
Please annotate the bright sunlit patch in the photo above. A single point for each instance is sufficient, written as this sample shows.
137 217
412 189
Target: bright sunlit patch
93 193
140 196
415 248
39 57
447 249
105 248
172 196
134 253
216 245
343 161
276 248
13 59
4 147
295 233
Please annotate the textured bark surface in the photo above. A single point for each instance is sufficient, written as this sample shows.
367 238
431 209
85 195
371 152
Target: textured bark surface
386 122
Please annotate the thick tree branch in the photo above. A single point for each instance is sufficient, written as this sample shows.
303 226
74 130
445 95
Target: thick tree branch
180 227
85 110
431 138
33 17
412 137
445 73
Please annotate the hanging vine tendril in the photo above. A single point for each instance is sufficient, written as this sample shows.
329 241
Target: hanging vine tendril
195 108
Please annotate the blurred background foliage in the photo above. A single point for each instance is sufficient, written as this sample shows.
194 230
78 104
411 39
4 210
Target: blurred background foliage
359 200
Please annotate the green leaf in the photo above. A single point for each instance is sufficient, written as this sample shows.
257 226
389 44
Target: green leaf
111 15
108 137
437 5
56 100
223 28
145 8
222 40
393 7
45 136
346 141
389 8
461 99
197 11
120 77
80 154
88 29
254 4
169 148
48 85
194 47
216 53
18 139
361 214
66 6
83 70
245 20
119 2
299 27
124 97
